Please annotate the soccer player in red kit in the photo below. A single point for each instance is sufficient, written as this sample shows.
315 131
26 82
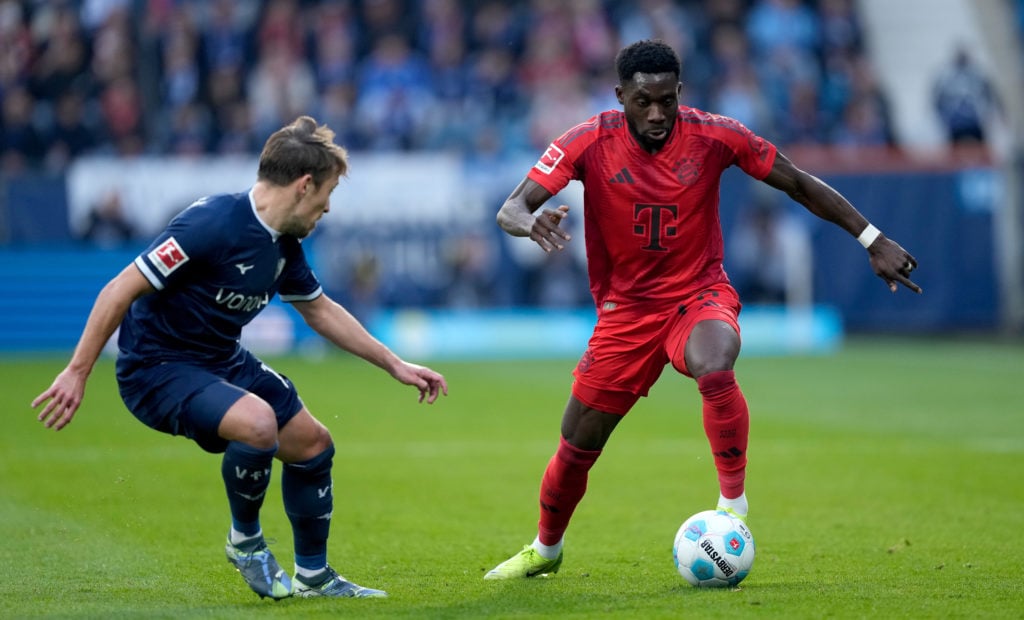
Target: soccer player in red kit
651 175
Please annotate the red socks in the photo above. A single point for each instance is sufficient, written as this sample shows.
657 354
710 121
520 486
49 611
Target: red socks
727 425
562 488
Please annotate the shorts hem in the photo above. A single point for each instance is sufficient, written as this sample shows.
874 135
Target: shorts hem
617 402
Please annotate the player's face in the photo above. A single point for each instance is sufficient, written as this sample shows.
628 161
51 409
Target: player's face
310 208
650 102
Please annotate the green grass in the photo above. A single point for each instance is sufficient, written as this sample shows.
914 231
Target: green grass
885 481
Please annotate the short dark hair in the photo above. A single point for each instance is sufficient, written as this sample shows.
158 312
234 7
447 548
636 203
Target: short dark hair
302 148
647 56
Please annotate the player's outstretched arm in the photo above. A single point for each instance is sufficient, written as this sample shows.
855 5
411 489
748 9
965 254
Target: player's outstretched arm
888 259
332 321
65 394
516 216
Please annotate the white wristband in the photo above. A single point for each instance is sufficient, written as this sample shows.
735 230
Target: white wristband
868 236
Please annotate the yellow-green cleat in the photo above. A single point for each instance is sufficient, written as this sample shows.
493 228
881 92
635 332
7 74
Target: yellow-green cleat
526 563
732 512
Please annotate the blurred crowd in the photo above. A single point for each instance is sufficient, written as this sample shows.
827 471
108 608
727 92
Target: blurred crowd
197 77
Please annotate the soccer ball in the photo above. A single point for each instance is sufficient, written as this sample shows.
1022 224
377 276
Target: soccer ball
713 549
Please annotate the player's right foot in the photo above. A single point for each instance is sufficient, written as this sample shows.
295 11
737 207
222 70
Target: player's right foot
526 563
260 570
330 583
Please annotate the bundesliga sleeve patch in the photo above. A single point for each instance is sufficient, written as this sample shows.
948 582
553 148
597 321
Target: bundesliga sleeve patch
167 257
549 160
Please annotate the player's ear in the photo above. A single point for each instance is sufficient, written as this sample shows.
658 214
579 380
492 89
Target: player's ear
305 185
619 94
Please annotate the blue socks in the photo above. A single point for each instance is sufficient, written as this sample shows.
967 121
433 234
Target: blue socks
308 495
246 472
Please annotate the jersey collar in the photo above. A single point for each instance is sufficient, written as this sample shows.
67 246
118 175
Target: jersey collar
252 203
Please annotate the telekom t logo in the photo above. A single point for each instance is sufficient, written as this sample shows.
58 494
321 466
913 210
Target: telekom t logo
658 225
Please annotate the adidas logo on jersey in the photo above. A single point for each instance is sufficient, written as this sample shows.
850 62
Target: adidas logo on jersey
622 176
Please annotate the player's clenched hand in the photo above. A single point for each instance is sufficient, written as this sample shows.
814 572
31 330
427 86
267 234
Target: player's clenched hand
892 263
61 399
430 384
547 232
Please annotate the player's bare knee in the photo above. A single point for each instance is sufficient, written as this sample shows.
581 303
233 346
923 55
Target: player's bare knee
320 441
251 421
302 438
262 433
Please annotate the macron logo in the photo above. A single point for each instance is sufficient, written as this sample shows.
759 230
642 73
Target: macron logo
549 160
168 256
243 267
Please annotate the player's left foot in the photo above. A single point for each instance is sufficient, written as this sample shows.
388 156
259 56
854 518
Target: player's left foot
741 517
330 583
259 569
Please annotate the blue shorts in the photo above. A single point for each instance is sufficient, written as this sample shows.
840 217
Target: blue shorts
185 398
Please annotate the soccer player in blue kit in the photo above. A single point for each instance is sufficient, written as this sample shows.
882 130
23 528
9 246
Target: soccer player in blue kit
181 306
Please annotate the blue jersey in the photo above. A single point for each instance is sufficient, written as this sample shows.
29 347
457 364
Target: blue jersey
215 267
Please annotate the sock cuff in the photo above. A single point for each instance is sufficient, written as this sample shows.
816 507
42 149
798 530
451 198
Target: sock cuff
250 453
716 381
311 563
576 456
317 463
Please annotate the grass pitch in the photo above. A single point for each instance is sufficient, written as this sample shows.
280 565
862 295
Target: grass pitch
885 482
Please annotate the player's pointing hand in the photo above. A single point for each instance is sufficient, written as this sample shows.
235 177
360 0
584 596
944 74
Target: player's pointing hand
893 264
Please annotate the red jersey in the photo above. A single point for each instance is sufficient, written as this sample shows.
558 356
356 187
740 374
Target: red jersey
651 222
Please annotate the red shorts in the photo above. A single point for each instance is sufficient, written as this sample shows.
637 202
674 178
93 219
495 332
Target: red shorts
631 346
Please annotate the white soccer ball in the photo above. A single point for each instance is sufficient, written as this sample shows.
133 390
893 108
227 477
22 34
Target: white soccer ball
713 549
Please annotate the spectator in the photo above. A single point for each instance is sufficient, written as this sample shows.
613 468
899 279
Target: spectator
382 18
965 100
70 135
21 145
225 35
234 130
334 45
180 72
865 92
281 86
16 43
394 95
498 25
280 27
63 57
121 113
657 19
840 28
863 124
107 226
594 38
783 24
